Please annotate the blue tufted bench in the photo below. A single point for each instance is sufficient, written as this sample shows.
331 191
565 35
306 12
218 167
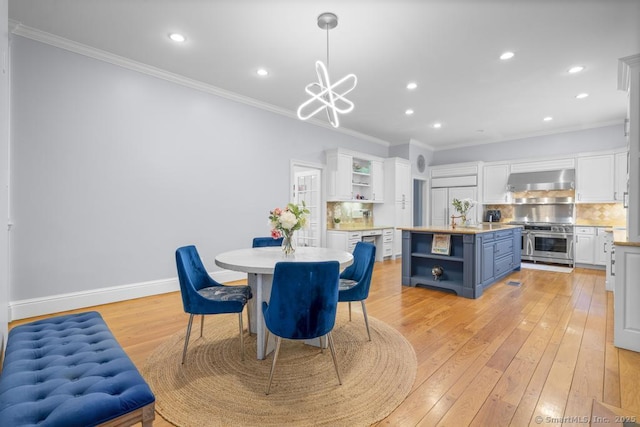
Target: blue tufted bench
70 371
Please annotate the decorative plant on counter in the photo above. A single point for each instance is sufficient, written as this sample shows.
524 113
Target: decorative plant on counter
336 222
462 207
285 221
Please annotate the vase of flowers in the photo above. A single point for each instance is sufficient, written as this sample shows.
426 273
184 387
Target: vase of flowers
285 221
462 207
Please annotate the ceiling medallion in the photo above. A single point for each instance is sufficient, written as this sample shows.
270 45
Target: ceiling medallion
324 94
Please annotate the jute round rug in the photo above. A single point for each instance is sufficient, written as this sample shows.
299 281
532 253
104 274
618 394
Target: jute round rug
216 388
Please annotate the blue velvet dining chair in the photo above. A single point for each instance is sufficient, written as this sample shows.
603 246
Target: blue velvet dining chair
303 304
261 242
355 280
203 295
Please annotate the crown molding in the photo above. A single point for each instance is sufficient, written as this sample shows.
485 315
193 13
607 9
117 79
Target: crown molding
19 29
532 135
624 70
13 24
422 144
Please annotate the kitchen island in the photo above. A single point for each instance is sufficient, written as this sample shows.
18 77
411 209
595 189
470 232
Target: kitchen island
469 259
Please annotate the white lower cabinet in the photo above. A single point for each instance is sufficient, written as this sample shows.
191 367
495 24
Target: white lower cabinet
590 246
600 249
343 240
347 240
387 243
584 245
610 278
626 298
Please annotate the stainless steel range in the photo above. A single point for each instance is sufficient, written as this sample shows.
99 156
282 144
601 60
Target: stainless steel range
547 234
547 243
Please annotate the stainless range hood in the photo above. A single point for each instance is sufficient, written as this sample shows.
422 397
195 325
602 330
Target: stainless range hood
563 179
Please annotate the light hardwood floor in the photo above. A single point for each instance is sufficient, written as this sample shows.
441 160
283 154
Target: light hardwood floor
542 349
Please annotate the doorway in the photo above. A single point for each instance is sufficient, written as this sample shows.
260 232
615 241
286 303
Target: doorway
306 185
419 202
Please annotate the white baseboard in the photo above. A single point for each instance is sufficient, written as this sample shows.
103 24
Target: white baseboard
75 300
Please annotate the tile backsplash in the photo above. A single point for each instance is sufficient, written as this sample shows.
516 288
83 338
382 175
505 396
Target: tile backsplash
609 214
604 214
350 213
506 211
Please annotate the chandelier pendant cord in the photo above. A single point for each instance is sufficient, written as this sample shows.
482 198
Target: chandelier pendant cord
327 47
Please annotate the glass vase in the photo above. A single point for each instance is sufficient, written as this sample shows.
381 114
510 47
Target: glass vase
287 244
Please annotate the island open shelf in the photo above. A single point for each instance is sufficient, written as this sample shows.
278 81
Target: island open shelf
471 259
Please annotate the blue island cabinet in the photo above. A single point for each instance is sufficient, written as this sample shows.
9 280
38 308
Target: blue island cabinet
476 257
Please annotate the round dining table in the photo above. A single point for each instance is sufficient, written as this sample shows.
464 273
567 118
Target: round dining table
260 264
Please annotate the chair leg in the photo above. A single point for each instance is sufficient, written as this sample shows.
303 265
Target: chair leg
249 320
366 318
241 336
273 365
333 355
186 338
266 339
201 325
349 311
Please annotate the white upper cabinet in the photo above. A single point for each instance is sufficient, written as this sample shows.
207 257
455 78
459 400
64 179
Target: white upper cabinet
494 184
377 181
339 166
354 177
595 179
403 180
621 175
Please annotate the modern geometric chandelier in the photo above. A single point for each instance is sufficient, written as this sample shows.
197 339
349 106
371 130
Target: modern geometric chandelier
324 94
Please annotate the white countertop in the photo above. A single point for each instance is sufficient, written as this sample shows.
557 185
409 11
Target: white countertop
360 228
263 260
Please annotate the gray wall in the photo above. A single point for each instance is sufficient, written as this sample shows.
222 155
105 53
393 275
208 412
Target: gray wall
112 170
4 169
598 139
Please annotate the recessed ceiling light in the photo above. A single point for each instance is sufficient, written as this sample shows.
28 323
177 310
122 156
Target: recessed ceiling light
437 125
177 37
412 85
548 119
507 55
582 95
576 69
409 112
262 72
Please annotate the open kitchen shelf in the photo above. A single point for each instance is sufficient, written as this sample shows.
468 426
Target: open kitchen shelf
421 268
421 245
423 261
